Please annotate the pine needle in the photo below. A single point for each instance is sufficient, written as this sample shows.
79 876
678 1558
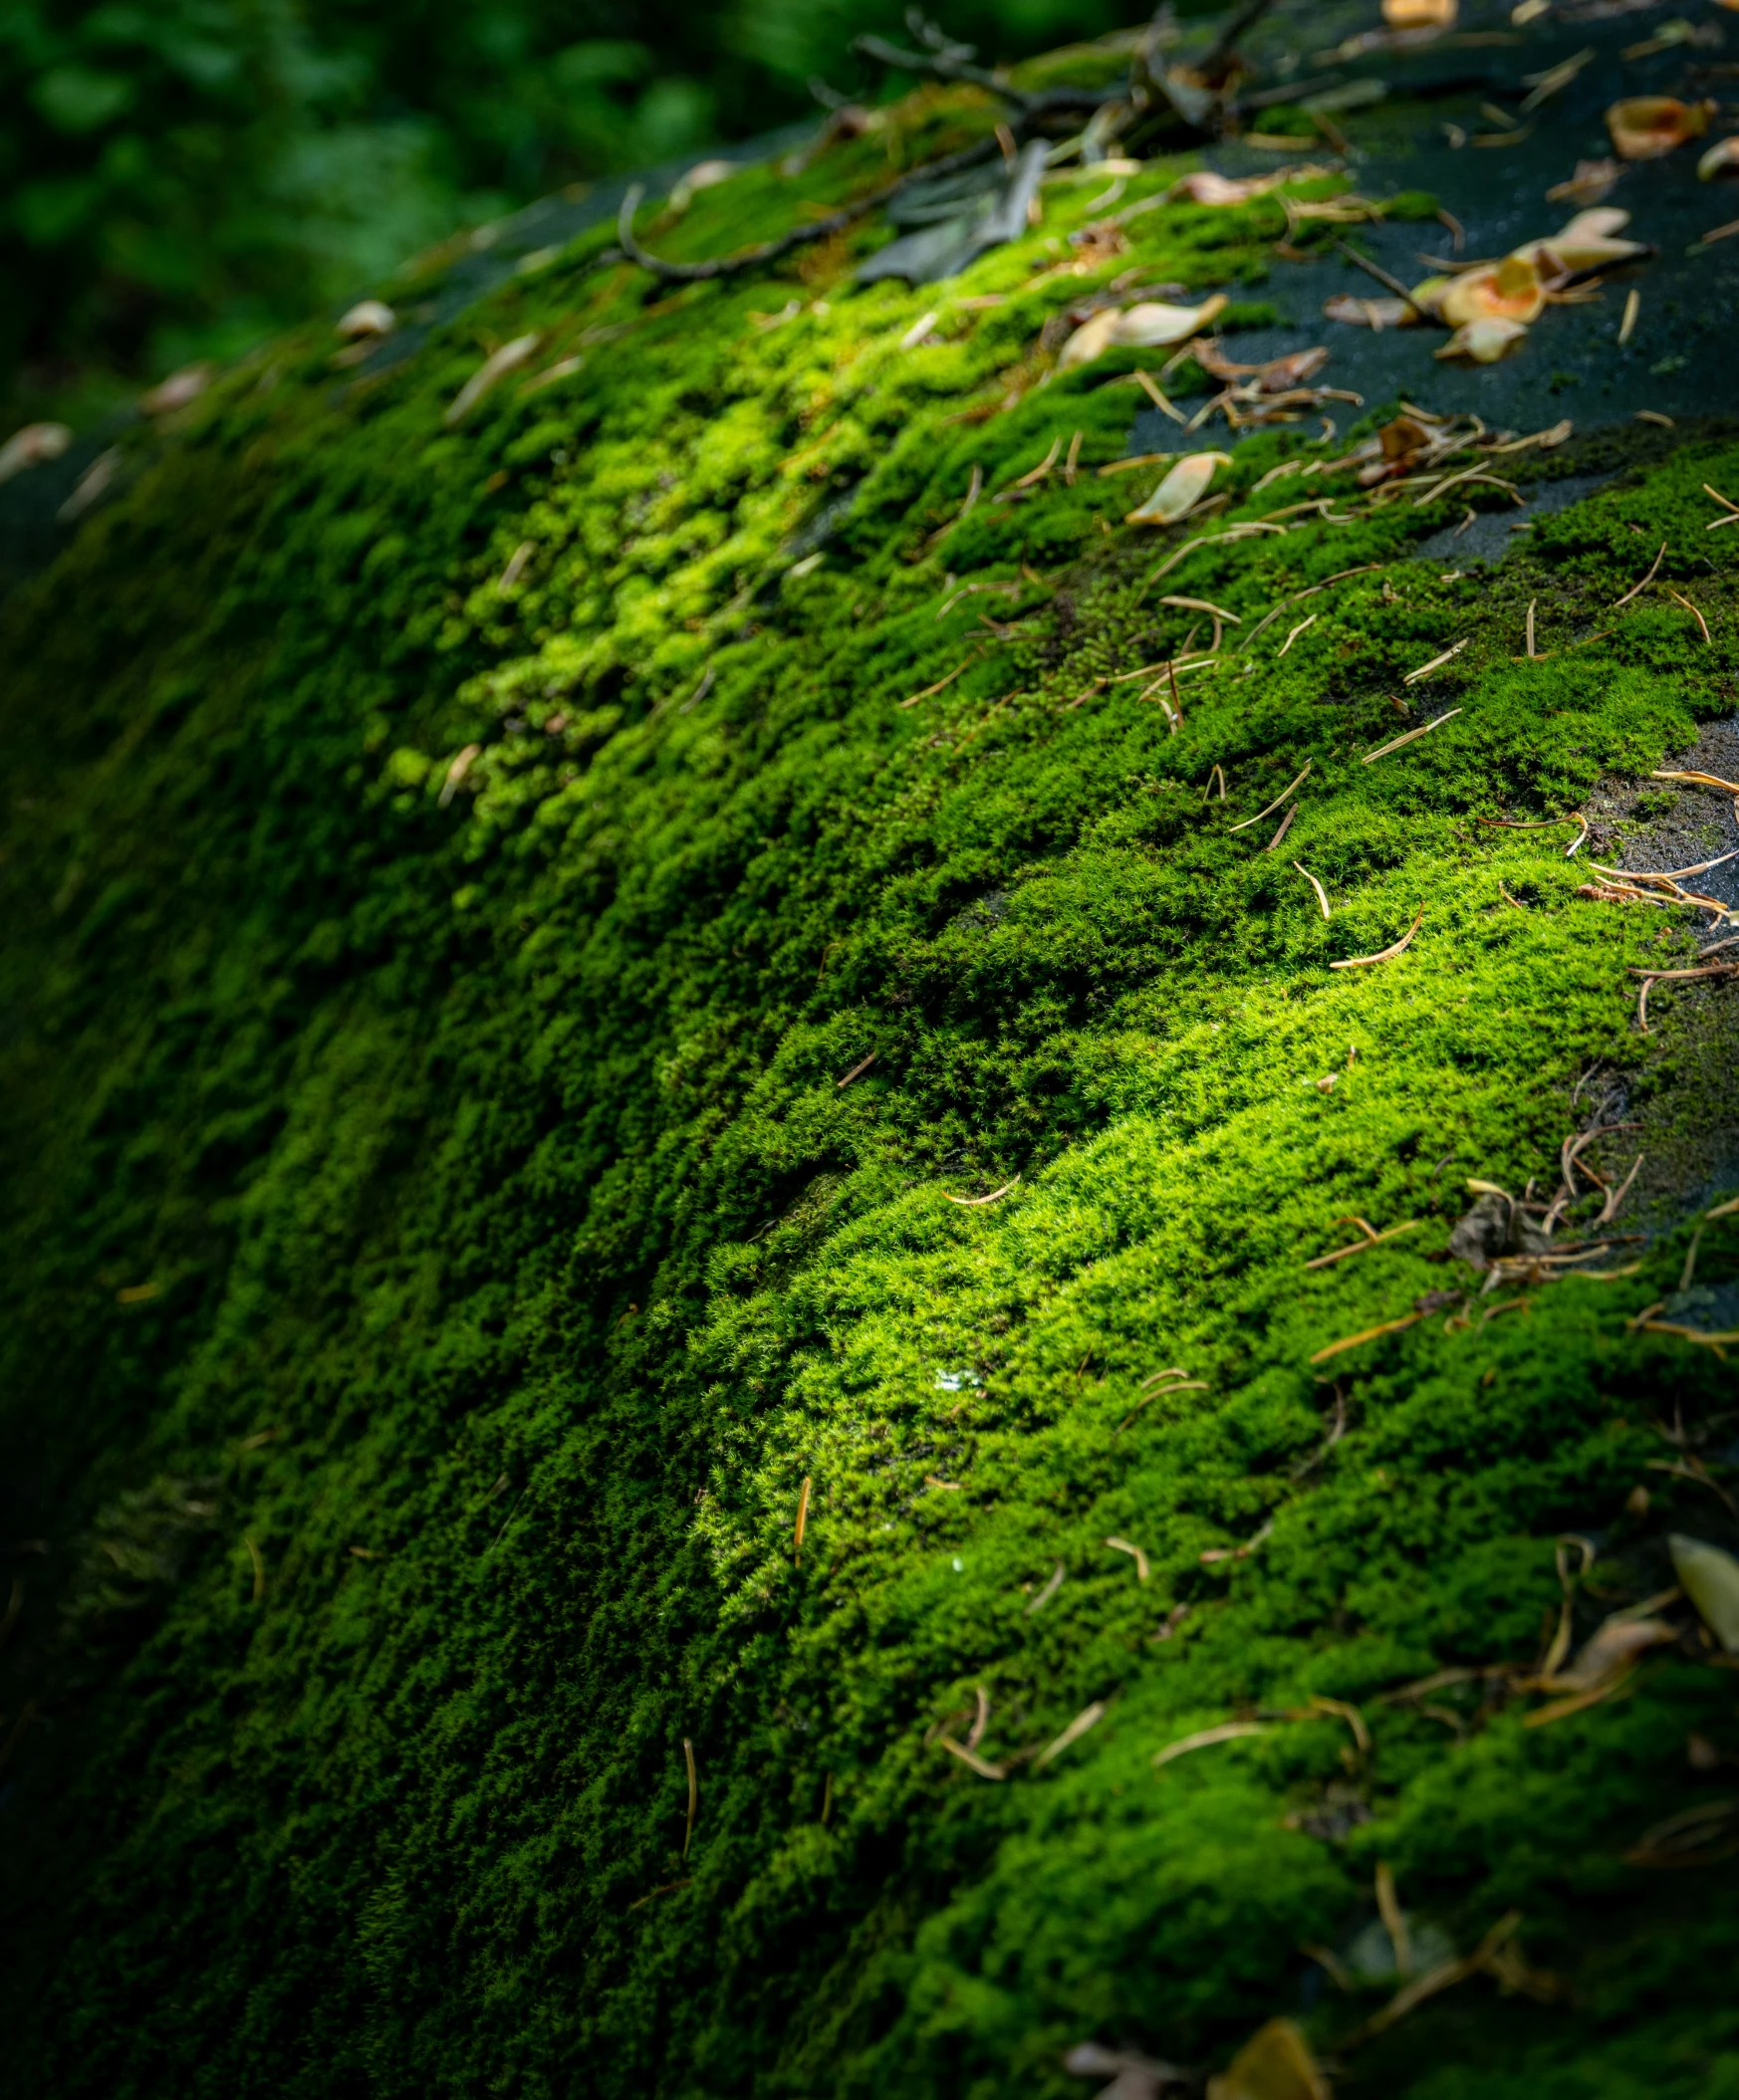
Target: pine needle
970 1758
1085 1719
1274 805
1322 893
694 1786
1437 662
1203 1739
1358 1246
1637 589
1042 469
1384 955
941 685
974 1203
1692 610
1351 1341
1412 736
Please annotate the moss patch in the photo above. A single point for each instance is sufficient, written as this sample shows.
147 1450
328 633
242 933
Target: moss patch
500 993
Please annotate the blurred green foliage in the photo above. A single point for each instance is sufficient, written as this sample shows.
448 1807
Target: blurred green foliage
178 179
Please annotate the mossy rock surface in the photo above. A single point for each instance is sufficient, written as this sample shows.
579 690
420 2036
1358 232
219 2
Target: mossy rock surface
582 981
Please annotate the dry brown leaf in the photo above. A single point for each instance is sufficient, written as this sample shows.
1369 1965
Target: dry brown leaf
1206 187
1591 181
1506 291
1647 126
1377 314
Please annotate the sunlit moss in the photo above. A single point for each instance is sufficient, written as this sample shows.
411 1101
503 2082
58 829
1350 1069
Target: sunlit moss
482 1117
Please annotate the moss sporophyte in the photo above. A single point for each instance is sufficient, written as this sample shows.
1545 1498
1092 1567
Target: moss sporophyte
828 1278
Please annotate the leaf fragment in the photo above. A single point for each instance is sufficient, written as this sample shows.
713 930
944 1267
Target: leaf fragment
1710 1578
1648 126
1180 490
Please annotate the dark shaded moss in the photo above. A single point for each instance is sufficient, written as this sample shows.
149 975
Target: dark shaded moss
469 1182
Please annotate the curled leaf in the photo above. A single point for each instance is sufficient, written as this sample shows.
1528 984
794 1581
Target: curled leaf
368 317
1722 158
1506 291
30 446
1710 1578
1588 241
1181 491
1646 127
1207 187
1375 313
1155 325
1610 1651
1485 341
1591 181
1274 2064
1090 340
177 390
1149 325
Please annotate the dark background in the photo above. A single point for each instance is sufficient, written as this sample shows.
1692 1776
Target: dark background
179 177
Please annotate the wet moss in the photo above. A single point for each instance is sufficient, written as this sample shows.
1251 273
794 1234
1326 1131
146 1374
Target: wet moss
500 991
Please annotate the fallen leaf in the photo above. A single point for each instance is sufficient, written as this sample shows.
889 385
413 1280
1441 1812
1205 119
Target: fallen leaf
1155 325
1484 342
1181 491
1587 242
1710 1578
1506 291
1275 377
1591 181
1722 158
1419 14
1206 187
1275 2063
1133 2076
1609 1650
30 446
1376 314
1090 340
1646 127
368 317
177 390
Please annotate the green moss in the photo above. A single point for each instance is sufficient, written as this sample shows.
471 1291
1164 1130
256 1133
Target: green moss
520 1248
